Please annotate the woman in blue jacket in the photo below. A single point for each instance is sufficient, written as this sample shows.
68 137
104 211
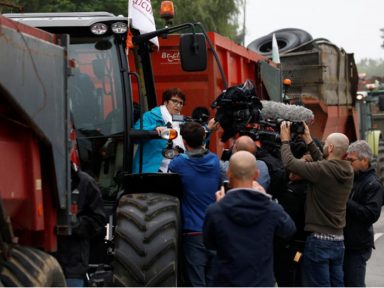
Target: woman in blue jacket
157 119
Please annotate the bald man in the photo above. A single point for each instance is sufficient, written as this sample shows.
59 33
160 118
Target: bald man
241 227
246 143
330 179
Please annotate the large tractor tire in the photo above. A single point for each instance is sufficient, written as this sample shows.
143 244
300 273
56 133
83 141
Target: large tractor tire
29 267
285 41
147 240
303 35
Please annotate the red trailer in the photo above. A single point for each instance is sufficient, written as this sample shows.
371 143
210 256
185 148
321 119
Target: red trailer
33 181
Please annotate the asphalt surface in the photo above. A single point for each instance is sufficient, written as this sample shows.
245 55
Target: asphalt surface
375 266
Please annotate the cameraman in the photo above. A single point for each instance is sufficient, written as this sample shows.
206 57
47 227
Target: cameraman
330 182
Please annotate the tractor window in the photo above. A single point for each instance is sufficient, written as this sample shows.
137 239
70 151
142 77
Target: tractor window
95 100
95 89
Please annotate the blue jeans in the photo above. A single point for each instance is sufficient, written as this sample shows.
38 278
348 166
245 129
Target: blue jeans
355 264
74 282
199 262
322 264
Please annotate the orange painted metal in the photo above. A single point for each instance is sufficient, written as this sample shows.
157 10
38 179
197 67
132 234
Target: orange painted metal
202 88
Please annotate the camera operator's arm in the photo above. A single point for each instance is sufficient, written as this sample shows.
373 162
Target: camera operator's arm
312 148
306 136
309 171
213 125
285 132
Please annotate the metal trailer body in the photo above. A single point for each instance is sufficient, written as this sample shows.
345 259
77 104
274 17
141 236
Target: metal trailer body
34 182
34 170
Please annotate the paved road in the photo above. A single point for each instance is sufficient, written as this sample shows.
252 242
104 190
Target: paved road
375 268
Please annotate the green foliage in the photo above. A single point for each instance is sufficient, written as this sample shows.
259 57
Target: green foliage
220 16
116 6
372 67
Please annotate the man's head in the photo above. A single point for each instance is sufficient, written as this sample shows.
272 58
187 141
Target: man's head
360 155
174 100
335 146
242 170
193 134
244 143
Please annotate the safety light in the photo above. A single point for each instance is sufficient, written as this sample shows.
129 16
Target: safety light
119 27
287 82
99 28
169 134
167 12
359 97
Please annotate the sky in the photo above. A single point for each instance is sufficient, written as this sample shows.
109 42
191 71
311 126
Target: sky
353 25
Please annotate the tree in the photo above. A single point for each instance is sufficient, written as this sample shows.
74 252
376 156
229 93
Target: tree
220 16
372 67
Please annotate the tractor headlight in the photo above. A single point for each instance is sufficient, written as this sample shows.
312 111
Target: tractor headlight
99 28
119 27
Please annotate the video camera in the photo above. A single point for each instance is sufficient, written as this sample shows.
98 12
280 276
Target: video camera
199 115
237 107
241 112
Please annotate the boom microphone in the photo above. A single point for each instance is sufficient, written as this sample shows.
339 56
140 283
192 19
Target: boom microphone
279 111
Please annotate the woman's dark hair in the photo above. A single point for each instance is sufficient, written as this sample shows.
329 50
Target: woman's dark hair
167 94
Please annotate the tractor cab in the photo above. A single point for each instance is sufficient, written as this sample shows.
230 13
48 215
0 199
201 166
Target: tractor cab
100 97
100 92
97 84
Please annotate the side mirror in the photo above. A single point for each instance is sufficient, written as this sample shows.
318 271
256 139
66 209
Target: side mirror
193 52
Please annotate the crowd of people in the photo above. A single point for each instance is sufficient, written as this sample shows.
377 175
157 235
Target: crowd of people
299 217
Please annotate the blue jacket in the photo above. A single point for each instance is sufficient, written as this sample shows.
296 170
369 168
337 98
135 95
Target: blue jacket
200 177
152 149
241 228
